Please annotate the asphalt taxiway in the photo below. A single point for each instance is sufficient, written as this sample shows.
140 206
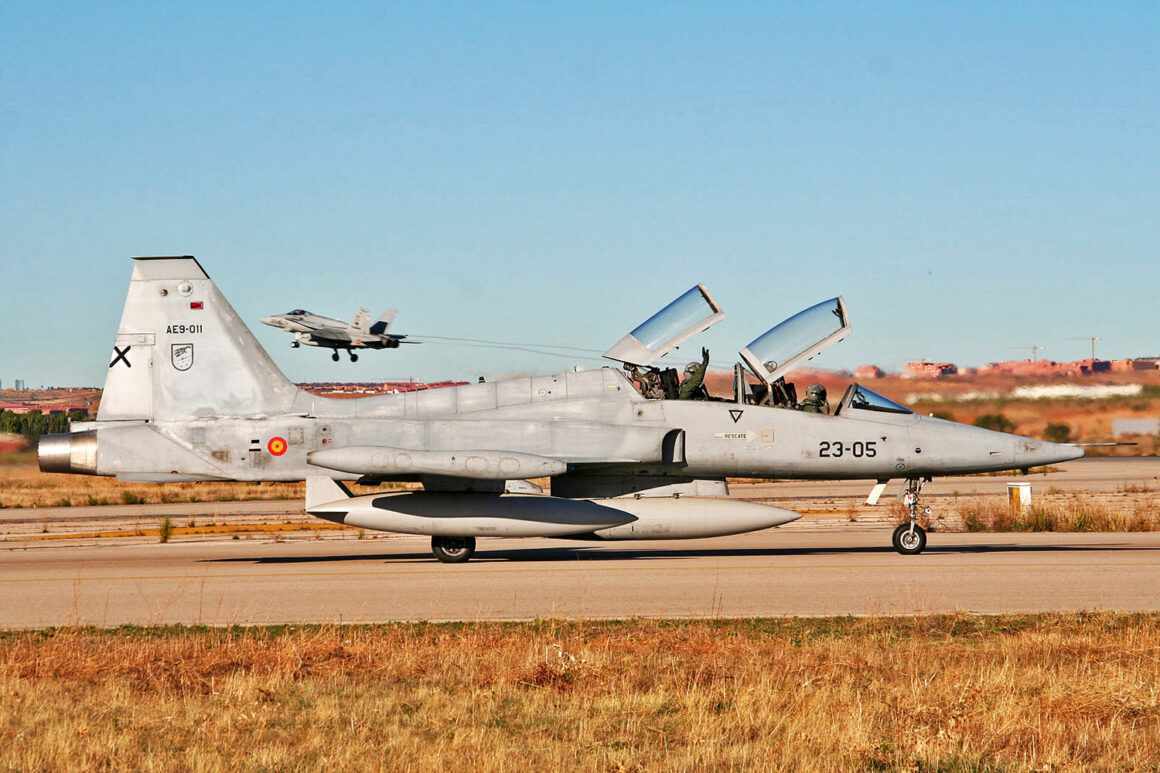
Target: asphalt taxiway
761 574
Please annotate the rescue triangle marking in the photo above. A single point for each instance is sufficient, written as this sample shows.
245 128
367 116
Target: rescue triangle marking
736 414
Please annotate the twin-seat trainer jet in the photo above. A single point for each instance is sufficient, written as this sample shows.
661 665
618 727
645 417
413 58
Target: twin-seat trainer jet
315 330
192 396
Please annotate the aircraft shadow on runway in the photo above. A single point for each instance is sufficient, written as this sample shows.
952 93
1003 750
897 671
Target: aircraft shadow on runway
586 553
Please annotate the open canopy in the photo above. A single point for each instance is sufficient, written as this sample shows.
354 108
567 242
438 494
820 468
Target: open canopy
802 337
692 312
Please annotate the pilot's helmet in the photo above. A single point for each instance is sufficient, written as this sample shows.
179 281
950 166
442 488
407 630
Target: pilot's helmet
770 365
816 390
692 367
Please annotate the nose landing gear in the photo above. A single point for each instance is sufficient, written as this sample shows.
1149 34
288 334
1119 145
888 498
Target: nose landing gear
909 539
353 356
335 355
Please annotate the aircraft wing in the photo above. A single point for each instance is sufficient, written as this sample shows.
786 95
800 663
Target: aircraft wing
334 334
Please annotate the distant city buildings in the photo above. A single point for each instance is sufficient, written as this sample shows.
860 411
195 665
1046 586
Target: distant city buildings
1029 368
926 369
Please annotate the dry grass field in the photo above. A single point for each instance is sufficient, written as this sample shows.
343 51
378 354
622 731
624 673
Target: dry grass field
1075 514
1071 692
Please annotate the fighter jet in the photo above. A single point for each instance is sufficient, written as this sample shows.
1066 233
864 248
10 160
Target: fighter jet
192 396
315 330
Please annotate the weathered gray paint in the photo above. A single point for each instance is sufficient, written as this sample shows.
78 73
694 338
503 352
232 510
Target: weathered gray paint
221 409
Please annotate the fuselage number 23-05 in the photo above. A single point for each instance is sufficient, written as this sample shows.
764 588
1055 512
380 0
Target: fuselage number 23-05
836 449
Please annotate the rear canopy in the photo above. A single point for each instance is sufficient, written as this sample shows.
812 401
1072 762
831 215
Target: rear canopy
693 312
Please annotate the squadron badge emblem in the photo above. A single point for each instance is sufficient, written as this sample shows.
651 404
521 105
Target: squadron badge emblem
182 356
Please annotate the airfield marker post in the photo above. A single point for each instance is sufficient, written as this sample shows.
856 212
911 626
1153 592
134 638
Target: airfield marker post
1019 498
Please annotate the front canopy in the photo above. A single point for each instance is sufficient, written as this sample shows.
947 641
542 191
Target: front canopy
802 337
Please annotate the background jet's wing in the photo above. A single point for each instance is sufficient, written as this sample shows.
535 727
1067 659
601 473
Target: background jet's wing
330 334
380 327
362 320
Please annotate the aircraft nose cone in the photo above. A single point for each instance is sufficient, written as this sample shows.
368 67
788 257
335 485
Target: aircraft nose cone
269 321
1036 453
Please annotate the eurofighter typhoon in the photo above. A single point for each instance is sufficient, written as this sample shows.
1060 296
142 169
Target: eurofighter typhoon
192 396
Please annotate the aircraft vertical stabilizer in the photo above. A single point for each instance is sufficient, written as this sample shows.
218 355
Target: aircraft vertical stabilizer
182 352
362 320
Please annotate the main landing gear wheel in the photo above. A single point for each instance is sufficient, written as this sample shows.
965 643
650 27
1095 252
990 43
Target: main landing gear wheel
334 356
353 357
909 539
453 550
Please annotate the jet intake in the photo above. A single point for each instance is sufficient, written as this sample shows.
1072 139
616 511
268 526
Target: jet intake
481 465
73 452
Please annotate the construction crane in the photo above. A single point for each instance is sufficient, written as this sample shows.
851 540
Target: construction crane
1035 349
1091 339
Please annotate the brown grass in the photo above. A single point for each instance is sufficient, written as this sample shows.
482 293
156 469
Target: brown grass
1072 516
958 692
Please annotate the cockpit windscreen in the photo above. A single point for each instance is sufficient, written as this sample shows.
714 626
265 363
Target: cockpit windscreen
866 400
297 313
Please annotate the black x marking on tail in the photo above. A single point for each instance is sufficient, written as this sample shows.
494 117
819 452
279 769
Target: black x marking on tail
121 356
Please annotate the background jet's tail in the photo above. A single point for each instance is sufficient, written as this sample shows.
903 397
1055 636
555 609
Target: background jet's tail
362 320
380 327
182 352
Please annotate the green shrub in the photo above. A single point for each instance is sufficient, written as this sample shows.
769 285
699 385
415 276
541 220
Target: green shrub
995 421
1057 433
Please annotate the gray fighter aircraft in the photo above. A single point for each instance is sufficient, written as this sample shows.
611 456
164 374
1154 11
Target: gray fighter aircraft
315 330
192 396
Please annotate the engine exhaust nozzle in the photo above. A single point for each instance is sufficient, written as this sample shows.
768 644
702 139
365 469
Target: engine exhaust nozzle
73 452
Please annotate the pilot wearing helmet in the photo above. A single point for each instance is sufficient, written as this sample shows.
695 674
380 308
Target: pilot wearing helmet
815 400
692 387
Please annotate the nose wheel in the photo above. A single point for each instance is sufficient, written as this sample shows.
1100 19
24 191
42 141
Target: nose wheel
453 550
353 356
334 356
909 538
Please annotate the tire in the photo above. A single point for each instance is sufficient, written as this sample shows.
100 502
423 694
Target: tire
353 357
909 544
334 356
453 550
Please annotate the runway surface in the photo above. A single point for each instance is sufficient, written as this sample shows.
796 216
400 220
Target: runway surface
767 573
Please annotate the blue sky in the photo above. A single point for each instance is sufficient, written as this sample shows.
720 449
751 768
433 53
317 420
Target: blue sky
971 180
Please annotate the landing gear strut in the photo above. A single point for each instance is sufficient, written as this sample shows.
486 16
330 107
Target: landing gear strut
910 538
453 550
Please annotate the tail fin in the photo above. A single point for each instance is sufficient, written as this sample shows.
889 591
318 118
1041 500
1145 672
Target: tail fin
362 320
182 351
380 327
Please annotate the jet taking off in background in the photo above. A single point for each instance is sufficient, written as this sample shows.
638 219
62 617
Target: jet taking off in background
192 396
315 330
